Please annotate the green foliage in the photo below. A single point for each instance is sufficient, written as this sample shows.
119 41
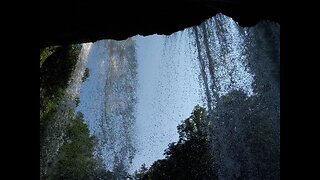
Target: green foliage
86 74
141 172
194 126
46 52
75 158
77 101
56 66
190 157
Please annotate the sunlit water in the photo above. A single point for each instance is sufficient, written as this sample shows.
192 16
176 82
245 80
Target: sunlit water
141 88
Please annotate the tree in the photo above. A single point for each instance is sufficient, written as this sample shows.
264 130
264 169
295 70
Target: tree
141 172
190 157
75 159
77 99
86 74
55 72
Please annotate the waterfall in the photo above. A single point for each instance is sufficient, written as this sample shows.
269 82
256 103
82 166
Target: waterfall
75 82
238 70
241 65
117 120
63 115
112 102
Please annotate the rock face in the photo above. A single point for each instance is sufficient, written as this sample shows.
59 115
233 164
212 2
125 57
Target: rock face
89 21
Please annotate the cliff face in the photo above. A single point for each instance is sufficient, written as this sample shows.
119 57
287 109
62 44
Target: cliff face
90 21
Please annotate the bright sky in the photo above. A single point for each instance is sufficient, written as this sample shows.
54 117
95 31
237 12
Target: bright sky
167 93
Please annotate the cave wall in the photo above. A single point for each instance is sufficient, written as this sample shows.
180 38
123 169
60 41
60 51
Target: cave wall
65 22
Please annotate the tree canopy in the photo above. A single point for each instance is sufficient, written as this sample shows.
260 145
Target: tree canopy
190 157
76 158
